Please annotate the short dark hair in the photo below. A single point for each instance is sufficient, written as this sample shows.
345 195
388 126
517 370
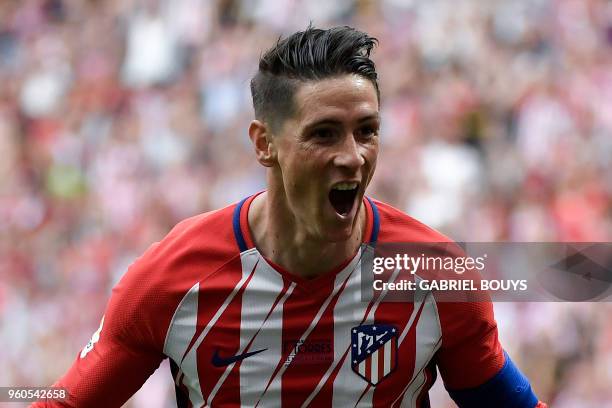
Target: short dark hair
313 54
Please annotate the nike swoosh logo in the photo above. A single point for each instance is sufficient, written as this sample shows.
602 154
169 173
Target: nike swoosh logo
219 361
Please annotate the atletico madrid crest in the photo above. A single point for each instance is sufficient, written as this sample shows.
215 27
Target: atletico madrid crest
374 351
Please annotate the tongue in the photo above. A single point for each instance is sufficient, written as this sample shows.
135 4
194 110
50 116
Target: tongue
342 200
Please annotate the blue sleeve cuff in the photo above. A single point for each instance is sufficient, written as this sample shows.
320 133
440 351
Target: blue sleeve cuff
509 388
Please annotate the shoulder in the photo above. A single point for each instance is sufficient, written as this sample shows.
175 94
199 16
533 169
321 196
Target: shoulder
193 249
397 226
468 329
209 236
153 286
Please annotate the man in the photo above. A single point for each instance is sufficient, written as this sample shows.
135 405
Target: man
259 303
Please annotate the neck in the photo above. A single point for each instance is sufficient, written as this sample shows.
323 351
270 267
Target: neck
278 236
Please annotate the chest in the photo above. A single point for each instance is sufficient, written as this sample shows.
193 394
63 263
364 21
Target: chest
270 342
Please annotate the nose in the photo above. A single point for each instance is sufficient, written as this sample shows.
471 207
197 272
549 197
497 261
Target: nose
349 154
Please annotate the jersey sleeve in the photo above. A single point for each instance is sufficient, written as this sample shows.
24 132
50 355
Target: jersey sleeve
125 350
509 388
470 353
475 369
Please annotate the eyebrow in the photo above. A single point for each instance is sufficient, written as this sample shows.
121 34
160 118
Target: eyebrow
374 116
335 122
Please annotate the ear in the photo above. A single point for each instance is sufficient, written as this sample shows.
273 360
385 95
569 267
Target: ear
261 138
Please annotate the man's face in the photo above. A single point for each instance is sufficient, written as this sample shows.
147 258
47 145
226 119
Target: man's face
326 154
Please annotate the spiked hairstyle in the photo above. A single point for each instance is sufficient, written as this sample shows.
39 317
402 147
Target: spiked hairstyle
309 55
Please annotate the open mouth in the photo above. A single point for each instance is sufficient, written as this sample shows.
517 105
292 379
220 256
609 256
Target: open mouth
342 197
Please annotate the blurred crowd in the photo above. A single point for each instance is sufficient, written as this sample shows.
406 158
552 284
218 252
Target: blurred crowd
119 118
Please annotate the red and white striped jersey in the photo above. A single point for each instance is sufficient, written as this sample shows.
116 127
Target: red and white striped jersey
241 331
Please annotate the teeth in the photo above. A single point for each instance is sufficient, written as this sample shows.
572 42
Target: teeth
345 186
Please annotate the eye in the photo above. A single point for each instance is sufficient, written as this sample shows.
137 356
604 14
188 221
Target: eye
367 132
323 134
